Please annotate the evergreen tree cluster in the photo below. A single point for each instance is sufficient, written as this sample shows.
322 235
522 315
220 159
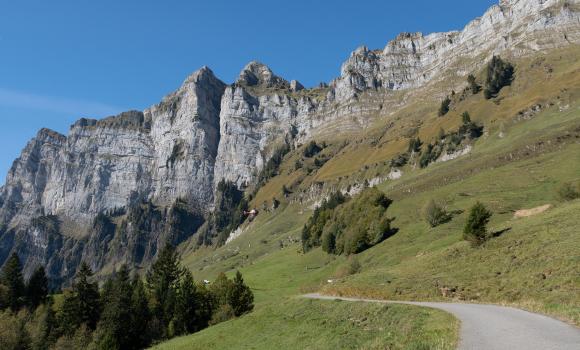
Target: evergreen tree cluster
15 293
468 130
350 227
126 313
312 231
228 214
272 166
500 73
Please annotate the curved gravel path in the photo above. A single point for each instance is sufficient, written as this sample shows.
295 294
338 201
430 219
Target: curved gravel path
492 327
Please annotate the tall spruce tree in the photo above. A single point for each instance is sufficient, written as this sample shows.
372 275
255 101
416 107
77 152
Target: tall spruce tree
163 281
186 319
37 288
14 283
140 315
81 305
114 329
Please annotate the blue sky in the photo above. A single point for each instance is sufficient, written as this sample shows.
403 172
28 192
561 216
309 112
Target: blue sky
62 60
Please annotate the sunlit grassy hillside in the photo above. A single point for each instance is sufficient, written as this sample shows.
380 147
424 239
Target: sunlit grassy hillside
530 147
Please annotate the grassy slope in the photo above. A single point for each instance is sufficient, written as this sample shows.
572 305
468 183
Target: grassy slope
309 324
533 265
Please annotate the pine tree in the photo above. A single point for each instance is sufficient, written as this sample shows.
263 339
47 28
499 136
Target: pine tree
475 230
81 306
140 315
114 329
37 288
14 283
444 108
163 281
186 306
241 297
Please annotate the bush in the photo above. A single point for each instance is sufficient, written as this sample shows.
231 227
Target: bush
351 267
311 150
468 128
435 214
431 153
473 86
224 313
444 108
499 74
475 230
400 160
568 192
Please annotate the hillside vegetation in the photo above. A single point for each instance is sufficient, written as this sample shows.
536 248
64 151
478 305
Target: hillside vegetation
527 153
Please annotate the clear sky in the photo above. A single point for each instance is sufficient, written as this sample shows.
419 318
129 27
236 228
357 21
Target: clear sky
66 59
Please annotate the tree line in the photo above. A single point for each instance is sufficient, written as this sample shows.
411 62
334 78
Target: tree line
127 312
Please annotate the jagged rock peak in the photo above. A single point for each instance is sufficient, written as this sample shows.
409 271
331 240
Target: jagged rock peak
49 134
257 73
201 74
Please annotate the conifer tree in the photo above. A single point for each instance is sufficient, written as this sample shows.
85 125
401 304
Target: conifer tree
475 230
14 283
140 315
81 306
499 74
241 297
114 330
163 281
37 288
444 108
186 306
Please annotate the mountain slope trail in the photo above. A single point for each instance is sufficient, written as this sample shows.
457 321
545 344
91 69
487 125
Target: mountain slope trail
494 327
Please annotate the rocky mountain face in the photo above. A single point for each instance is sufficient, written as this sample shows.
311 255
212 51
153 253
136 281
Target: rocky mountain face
113 190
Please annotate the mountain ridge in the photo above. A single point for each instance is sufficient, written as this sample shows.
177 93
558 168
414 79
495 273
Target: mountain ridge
206 131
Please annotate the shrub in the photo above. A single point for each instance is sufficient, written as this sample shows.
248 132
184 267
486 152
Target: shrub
473 86
431 153
311 150
568 192
475 230
351 267
399 160
499 74
444 108
224 313
468 128
435 214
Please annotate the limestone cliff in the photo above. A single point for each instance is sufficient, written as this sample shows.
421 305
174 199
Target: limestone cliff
113 190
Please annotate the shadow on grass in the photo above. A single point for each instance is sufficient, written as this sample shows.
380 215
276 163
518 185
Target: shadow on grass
499 233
